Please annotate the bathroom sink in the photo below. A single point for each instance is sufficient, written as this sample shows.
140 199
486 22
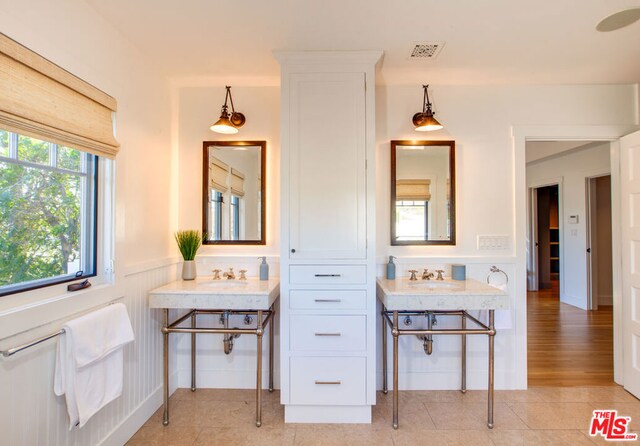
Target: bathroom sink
225 283
434 285
425 295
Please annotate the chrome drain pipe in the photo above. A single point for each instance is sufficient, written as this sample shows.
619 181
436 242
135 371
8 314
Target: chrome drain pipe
228 338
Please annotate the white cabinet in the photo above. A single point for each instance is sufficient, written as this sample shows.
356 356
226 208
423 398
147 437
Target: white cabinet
328 301
327 156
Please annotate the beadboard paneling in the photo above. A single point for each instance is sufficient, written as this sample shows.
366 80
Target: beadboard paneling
30 413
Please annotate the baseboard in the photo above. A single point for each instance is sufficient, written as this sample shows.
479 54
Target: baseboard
131 424
327 414
227 379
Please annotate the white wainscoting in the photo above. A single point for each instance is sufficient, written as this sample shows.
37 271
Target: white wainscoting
30 413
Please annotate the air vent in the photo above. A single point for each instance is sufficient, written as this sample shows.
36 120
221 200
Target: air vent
425 51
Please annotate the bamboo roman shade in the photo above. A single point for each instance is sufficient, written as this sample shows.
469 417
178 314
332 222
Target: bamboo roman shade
237 183
413 190
218 172
42 100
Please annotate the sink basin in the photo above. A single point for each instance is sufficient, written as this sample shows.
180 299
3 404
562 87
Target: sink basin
225 283
434 285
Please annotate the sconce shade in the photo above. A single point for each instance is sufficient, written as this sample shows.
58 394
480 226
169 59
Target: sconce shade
424 120
228 123
224 125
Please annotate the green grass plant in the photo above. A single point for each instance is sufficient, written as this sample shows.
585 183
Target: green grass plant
189 241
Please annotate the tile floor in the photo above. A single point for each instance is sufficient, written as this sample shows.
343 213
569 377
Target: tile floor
538 416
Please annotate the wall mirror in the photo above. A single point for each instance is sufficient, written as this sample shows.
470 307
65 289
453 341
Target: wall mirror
423 193
233 192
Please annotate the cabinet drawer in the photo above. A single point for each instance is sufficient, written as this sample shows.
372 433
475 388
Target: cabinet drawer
328 333
328 380
328 274
327 300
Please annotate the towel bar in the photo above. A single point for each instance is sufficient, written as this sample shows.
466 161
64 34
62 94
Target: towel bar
14 350
494 270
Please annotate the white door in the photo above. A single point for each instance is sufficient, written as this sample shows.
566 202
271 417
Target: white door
327 166
630 217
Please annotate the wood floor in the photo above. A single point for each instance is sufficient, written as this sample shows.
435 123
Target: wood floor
567 346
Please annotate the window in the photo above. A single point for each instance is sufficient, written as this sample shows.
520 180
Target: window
412 220
48 196
215 230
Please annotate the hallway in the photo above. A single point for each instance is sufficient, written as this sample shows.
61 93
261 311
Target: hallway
567 346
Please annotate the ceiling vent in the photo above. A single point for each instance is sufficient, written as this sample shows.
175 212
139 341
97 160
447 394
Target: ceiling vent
425 51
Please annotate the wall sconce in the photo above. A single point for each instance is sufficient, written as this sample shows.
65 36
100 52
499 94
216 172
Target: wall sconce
228 123
424 120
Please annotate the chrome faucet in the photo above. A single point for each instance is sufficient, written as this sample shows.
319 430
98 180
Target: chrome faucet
440 272
426 275
216 274
229 275
413 274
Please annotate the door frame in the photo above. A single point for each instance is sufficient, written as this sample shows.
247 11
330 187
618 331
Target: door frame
520 135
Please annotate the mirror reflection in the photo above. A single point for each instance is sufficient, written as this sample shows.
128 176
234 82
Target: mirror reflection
233 192
422 193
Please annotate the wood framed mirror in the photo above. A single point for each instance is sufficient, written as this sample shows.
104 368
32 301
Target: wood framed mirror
233 192
423 185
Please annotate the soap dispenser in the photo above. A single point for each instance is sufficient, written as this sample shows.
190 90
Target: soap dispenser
391 269
264 268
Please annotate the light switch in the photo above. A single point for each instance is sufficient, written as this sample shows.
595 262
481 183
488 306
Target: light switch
493 242
573 219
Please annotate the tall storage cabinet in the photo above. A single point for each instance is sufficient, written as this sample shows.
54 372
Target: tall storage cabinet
328 302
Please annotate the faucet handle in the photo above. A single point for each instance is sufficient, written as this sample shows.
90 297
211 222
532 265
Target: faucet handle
242 274
216 274
440 272
413 274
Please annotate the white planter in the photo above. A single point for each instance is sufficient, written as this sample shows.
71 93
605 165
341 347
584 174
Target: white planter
189 270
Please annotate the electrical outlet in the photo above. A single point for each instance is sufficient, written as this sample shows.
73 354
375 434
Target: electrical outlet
493 242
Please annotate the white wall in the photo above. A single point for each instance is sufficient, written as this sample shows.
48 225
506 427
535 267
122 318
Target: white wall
197 108
572 170
481 120
71 34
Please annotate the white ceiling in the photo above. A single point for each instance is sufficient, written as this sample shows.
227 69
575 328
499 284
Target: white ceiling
486 41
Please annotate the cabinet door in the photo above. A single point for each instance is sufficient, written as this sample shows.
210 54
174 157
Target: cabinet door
327 166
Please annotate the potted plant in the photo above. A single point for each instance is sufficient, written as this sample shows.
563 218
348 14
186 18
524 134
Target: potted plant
189 241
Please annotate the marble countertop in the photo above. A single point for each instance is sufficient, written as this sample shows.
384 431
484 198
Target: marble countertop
423 295
208 294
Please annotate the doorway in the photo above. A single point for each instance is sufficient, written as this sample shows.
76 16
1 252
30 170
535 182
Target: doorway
547 237
570 333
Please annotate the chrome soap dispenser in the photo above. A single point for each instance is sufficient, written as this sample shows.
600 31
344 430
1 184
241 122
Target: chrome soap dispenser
264 268
391 269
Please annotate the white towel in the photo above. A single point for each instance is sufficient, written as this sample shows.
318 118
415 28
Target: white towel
502 318
89 361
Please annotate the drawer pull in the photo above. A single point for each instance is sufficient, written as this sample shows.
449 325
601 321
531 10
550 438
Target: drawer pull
328 275
328 383
329 300
328 334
